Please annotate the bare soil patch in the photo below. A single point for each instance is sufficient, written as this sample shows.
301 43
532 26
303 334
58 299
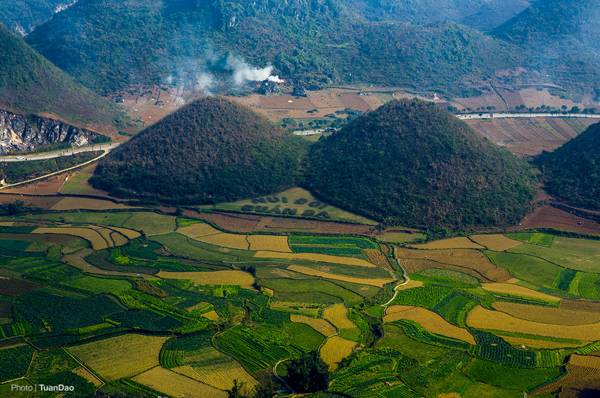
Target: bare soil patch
551 217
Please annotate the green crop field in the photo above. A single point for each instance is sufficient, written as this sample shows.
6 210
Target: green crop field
98 285
534 237
426 296
514 378
578 254
311 286
151 223
112 219
528 268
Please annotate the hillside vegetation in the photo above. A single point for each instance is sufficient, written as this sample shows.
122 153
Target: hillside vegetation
412 163
109 44
212 150
31 84
23 16
572 171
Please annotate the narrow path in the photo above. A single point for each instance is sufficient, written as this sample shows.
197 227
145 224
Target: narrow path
488 115
294 393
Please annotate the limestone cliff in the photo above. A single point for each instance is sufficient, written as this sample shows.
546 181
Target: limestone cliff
20 133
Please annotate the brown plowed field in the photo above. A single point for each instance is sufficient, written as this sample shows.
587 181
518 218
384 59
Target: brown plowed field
575 373
467 259
578 305
530 136
513 98
551 217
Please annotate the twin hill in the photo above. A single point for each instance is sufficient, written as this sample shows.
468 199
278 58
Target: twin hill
413 163
573 171
212 150
31 84
409 162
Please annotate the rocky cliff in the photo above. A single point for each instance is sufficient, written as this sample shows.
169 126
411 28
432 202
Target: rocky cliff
20 133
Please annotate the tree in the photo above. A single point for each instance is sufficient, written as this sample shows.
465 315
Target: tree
308 373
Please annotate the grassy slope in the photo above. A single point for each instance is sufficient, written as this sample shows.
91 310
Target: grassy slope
31 84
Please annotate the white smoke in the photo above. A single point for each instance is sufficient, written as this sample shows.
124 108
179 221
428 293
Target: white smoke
242 72
206 82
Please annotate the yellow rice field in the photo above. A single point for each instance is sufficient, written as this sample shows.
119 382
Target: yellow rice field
410 285
94 237
105 234
212 278
550 315
314 257
336 349
516 290
6 223
198 230
482 318
122 356
394 309
214 368
432 322
212 315
70 203
177 385
129 233
86 374
320 325
496 242
453 243
360 281
585 360
118 239
227 240
337 314
269 243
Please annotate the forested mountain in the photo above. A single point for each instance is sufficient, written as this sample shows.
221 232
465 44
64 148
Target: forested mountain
22 16
31 84
212 150
413 163
108 44
559 38
572 171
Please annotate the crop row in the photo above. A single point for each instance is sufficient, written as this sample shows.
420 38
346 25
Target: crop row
331 241
426 296
191 342
416 331
456 309
171 359
255 348
333 251
436 369
495 349
71 316
15 329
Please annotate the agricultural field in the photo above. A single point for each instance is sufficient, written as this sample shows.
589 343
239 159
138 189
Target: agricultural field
174 384
142 313
122 356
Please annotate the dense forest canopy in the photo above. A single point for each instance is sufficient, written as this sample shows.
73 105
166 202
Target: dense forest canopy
572 171
412 163
309 43
212 150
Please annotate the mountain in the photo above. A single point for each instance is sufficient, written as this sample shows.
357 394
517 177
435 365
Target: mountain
110 44
23 16
212 150
572 172
412 163
30 84
560 39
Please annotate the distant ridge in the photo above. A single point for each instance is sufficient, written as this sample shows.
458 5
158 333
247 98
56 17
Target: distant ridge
212 150
572 172
31 84
413 163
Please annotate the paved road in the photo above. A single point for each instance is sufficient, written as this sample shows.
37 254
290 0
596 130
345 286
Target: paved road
488 115
55 154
